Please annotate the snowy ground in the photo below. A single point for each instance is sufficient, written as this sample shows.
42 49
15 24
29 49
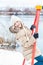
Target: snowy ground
12 58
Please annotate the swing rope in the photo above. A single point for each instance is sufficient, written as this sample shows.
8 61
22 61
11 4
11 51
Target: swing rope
36 22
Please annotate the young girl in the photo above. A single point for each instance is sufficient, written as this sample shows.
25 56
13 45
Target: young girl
24 37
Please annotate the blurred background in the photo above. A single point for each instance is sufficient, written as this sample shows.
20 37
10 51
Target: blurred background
25 9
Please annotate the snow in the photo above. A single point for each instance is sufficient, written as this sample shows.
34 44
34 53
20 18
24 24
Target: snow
10 57
5 23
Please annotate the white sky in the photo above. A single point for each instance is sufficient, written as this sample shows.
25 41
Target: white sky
20 3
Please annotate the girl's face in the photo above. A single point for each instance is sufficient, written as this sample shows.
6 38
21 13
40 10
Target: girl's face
16 27
18 24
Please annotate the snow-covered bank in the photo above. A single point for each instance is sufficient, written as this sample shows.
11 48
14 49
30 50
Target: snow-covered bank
10 57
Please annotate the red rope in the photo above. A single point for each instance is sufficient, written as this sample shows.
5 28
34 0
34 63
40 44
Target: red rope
36 31
33 53
23 62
